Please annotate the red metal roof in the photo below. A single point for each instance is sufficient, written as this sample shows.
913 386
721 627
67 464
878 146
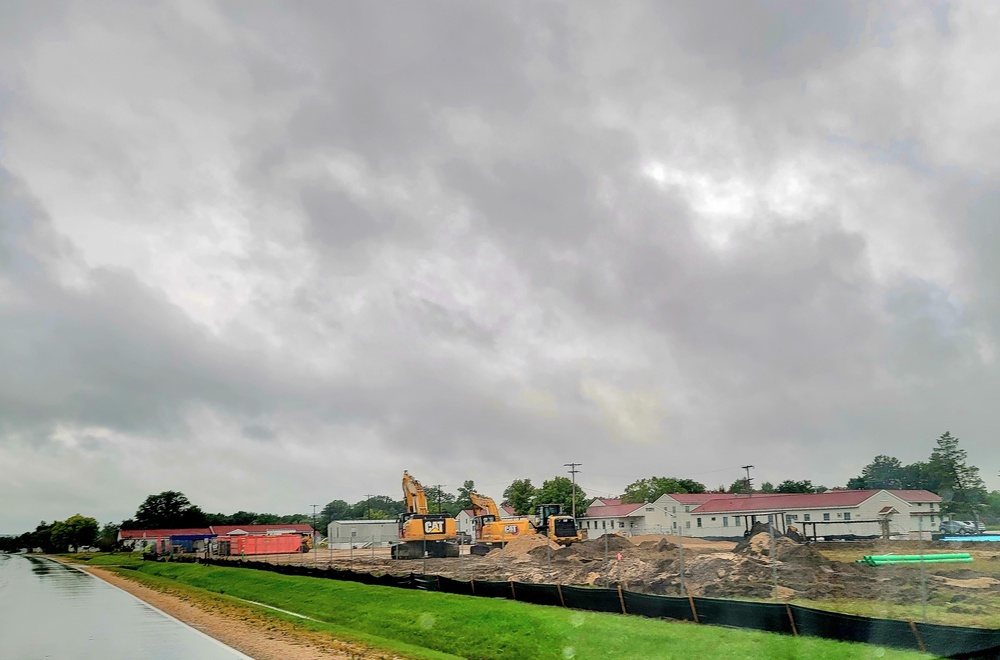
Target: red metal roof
302 528
612 511
162 533
607 501
698 498
510 510
786 502
916 495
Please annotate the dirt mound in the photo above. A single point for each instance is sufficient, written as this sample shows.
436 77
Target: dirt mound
657 546
523 545
610 542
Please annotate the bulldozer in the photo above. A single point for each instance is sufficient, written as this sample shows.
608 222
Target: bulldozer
422 533
560 528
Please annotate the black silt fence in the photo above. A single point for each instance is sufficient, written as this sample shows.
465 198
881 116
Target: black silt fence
658 607
537 594
770 617
938 640
595 600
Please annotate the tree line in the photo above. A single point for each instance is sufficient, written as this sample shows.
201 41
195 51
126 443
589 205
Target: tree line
946 472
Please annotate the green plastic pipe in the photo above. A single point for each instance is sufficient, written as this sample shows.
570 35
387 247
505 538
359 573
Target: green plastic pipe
951 555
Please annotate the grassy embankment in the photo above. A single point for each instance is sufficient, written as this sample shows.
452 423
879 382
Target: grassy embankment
434 625
104 559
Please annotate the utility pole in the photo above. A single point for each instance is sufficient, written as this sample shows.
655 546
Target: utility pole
368 506
748 482
315 543
572 470
439 487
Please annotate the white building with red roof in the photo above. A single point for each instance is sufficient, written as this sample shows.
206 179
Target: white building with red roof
605 516
834 513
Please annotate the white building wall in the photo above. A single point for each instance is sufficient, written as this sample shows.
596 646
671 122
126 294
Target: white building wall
464 523
380 532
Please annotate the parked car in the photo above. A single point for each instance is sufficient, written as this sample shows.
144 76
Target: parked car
976 527
957 528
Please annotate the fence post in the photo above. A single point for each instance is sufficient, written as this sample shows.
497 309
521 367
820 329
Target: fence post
791 620
923 570
513 594
559 589
694 612
774 565
607 567
916 633
472 584
621 599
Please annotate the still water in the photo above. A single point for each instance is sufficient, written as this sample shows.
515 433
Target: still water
48 610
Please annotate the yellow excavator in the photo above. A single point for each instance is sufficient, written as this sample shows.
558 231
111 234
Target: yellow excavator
491 531
420 531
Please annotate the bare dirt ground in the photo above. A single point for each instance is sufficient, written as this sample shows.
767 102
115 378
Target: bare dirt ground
242 628
652 564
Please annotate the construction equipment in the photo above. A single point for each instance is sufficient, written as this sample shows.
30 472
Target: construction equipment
422 533
491 531
559 528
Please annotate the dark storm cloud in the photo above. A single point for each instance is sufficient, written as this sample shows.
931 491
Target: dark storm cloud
446 249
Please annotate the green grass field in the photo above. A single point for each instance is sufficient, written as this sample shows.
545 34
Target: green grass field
105 559
427 624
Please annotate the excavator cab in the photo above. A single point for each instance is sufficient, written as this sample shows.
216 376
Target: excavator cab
546 511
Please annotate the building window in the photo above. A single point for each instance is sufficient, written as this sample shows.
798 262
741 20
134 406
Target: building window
847 515
725 521
687 524
932 520
687 509
674 510
805 517
826 516
649 508
604 524
737 521
621 524
699 522
713 519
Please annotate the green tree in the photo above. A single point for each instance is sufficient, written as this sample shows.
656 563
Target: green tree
790 486
767 487
738 487
74 532
169 509
559 490
107 539
364 509
440 500
464 501
948 463
648 490
520 495
335 510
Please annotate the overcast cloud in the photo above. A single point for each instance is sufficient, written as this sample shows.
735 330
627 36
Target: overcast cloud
274 254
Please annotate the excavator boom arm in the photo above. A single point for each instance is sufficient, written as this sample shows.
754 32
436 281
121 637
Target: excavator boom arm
482 505
416 499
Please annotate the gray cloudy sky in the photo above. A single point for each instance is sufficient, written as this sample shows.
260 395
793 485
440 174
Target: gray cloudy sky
274 254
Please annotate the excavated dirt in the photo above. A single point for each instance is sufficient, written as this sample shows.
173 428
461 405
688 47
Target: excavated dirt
652 564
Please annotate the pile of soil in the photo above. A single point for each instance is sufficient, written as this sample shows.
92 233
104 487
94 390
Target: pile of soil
523 545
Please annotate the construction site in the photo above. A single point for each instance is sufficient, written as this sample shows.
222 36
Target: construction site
679 566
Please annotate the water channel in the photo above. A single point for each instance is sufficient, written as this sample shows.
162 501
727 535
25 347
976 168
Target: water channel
50 610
